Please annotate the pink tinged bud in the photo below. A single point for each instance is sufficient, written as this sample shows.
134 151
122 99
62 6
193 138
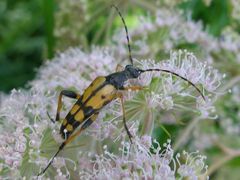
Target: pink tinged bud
164 170
185 171
20 147
16 164
146 140
8 161
10 139
148 169
61 176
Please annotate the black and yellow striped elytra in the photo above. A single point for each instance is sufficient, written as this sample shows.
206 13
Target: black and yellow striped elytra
100 92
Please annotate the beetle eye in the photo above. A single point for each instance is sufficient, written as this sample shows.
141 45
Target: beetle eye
139 71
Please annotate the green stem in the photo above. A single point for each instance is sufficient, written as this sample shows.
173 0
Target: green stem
219 163
231 83
48 12
109 25
99 33
148 124
183 138
229 155
146 5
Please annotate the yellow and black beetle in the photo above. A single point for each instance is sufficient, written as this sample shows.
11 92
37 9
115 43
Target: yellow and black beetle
100 92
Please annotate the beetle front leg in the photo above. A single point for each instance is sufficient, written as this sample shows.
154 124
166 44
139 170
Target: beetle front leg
120 96
134 88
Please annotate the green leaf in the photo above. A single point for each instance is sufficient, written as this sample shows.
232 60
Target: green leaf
48 9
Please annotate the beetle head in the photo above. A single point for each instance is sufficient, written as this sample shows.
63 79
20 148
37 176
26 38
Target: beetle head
132 72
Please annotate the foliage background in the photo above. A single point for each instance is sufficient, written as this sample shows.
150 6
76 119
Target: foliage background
32 31
27 29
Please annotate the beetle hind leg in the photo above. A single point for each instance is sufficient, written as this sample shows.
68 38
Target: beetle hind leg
53 121
67 93
86 124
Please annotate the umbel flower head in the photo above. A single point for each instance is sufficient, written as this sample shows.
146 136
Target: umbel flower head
29 138
145 159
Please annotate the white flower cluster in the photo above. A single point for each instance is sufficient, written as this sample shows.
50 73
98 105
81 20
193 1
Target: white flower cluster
236 9
182 30
74 68
230 41
28 132
173 29
13 141
144 160
23 114
188 66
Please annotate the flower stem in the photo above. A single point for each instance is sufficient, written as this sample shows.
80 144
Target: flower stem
231 83
219 163
148 123
183 138
229 155
145 5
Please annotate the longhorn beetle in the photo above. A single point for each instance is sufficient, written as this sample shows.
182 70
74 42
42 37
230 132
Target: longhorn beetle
99 93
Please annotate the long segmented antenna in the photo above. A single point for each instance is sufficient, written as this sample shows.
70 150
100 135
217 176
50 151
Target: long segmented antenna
125 26
185 79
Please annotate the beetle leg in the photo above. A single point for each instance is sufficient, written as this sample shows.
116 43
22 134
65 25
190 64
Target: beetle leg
67 93
120 96
134 88
119 68
86 124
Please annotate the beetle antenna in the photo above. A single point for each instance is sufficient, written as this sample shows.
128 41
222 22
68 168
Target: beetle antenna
126 29
185 79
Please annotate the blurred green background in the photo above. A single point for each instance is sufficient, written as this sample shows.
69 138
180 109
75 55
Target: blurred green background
33 31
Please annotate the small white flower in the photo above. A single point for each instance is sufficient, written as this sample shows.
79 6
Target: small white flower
193 167
167 103
20 146
59 162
